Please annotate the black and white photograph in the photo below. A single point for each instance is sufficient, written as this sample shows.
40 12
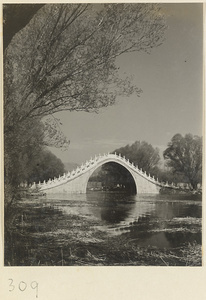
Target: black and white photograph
103 134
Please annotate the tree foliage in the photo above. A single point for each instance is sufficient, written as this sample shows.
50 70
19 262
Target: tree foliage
46 166
21 150
53 135
16 16
64 59
168 176
26 158
184 156
142 154
25 153
113 176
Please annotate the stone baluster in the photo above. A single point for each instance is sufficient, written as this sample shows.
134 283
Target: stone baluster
33 185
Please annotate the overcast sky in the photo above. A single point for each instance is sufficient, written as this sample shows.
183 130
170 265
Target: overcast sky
171 102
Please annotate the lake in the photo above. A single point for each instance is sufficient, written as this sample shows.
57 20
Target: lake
93 228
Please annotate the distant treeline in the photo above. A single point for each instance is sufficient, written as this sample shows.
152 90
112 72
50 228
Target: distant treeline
183 162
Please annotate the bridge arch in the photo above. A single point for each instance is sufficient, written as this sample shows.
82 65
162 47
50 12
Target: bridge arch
123 165
77 180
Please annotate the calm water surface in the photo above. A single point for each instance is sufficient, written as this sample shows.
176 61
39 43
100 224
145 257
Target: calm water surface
164 221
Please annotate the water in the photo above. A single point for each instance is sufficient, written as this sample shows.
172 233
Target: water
93 219
150 219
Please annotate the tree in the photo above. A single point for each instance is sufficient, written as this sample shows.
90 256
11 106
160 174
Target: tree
16 16
169 176
26 158
64 59
24 148
21 151
184 156
47 166
53 135
142 154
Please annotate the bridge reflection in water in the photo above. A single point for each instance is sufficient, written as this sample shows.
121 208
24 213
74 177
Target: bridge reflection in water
144 218
118 208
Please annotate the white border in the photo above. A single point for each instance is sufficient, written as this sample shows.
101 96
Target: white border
94 283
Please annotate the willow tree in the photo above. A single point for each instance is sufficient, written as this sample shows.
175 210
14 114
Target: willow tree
142 154
64 59
184 156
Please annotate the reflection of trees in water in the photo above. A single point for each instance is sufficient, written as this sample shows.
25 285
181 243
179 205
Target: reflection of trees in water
193 210
114 215
111 207
118 207
159 219
178 238
137 220
29 242
169 210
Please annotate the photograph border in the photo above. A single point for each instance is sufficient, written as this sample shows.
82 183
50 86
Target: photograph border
91 283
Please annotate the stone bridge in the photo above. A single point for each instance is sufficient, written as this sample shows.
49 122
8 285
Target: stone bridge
77 180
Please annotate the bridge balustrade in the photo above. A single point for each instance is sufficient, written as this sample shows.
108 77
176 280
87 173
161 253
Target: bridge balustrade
90 164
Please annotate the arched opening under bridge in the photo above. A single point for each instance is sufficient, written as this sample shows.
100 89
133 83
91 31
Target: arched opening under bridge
112 177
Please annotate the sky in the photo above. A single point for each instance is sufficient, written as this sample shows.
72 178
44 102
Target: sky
171 102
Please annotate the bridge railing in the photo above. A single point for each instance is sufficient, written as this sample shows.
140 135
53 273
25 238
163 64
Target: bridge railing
89 164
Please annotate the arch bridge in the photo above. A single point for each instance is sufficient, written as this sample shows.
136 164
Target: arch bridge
77 180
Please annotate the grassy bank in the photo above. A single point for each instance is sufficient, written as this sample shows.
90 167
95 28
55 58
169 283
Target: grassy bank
47 237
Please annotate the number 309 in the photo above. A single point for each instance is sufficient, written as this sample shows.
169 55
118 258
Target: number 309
23 285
